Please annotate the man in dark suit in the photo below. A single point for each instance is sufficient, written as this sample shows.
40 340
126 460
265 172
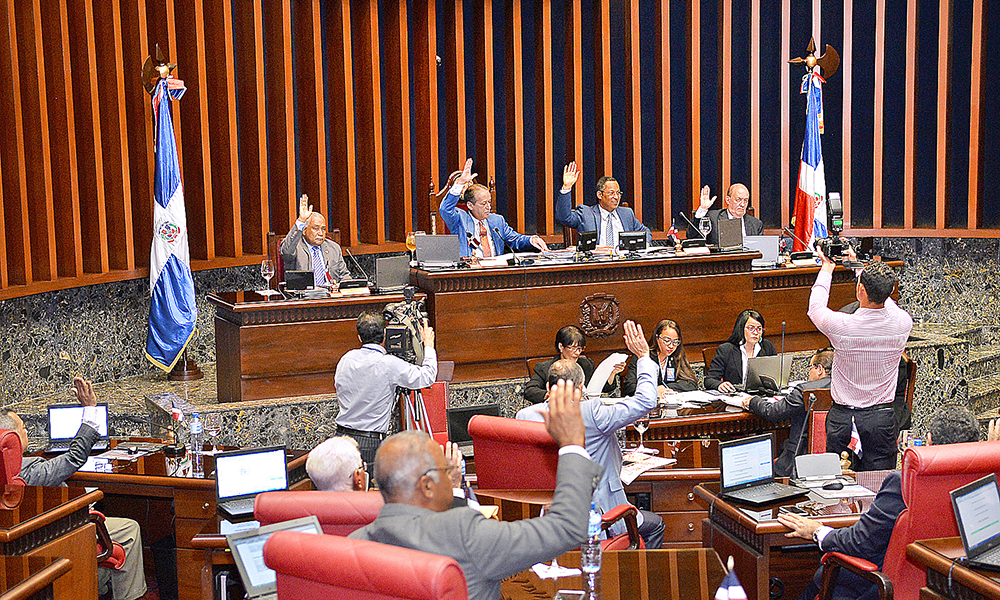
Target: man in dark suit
607 218
737 201
792 408
306 248
411 469
869 537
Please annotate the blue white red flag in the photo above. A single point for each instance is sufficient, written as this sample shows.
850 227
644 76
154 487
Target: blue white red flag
730 588
810 194
172 312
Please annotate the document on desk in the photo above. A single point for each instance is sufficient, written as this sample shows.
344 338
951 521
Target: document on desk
632 470
602 373
848 491
696 397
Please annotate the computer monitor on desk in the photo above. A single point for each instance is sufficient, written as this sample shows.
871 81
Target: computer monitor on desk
632 241
437 251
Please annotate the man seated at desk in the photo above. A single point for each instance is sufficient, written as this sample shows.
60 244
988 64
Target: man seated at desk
128 582
606 217
306 248
737 202
411 469
869 537
366 382
480 232
792 408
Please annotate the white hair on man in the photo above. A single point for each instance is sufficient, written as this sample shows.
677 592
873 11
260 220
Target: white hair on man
332 464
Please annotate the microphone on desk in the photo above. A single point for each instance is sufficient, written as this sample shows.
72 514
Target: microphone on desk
797 238
517 261
173 433
693 226
802 435
781 361
358 265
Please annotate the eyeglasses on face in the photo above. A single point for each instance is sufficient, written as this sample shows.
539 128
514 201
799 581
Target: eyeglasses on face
755 328
669 342
574 348
448 470
613 193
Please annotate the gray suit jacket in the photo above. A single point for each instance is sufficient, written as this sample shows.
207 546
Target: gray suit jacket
489 551
297 255
36 470
752 224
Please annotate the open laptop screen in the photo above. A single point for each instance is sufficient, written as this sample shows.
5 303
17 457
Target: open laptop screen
246 473
977 510
745 461
248 550
64 421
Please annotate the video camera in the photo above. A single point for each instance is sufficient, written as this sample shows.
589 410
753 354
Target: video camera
403 321
834 246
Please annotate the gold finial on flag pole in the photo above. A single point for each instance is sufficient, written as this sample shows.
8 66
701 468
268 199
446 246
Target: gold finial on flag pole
829 61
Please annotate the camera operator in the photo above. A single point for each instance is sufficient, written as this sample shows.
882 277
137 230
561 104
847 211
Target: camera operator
868 346
367 378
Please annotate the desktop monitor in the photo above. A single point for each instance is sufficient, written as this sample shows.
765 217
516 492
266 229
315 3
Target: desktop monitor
632 241
586 241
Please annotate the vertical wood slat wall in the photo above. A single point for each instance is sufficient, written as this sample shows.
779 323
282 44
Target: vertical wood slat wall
342 100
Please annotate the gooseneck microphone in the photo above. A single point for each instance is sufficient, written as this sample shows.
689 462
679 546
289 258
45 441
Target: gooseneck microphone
693 226
781 361
792 233
358 265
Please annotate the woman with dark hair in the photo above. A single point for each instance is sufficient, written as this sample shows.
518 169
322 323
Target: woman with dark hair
666 347
570 344
729 367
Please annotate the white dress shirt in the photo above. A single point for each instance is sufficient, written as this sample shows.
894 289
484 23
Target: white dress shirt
616 227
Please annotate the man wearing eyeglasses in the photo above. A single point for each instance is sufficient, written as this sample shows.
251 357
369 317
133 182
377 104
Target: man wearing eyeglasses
607 217
737 202
792 408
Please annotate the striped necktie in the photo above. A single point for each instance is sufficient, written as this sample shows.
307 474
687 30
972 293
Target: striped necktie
609 232
319 266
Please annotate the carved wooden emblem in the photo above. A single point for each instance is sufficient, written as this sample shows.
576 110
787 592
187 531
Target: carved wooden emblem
600 314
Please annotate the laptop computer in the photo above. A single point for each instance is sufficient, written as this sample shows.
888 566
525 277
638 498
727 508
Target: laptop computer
392 273
437 251
977 511
242 474
769 373
260 582
730 235
64 422
746 472
767 245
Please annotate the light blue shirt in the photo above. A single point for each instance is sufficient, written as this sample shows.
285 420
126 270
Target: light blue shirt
366 382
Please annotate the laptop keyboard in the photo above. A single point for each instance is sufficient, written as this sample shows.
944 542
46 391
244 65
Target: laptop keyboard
991 556
243 505
760 491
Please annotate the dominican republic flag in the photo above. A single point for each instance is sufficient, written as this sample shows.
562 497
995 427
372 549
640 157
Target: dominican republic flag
730 588
172 312
810 195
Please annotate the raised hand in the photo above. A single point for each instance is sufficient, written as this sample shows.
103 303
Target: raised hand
454 457
467 175
635 341
83 390
305 209
570 174
706 201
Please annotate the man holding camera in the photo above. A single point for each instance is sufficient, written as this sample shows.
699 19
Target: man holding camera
366 382
868 347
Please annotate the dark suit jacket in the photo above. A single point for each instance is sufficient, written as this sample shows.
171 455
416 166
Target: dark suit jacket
728 364
489 551
680 385
587 217
36 470
867 539
534 390
752 224
790 408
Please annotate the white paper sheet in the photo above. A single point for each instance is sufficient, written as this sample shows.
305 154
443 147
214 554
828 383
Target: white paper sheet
602 373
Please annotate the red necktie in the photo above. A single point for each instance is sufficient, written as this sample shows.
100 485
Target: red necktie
484 239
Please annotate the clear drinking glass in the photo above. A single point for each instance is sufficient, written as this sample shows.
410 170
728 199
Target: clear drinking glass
641 425
213 425
705 226
267 271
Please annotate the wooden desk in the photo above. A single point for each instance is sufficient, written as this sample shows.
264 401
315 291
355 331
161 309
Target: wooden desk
24 578
259 344
947 579
631 575
52 522
757 542
165 505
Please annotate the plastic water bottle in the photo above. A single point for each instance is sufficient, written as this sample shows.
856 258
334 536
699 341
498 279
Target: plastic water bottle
590 556
196 446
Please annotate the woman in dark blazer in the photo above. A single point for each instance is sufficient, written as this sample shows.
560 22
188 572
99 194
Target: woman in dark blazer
570 343
727 372
666 347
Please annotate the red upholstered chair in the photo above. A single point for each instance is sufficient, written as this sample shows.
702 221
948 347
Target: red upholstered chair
339 513
10 458
934 471
504 446
321 567
630 540
816 420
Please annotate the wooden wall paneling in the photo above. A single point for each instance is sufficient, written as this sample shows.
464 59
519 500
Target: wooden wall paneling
62 130
545 183
975 116
910 127
879 105
398 125
340 83
846 68
726 103
694 108
486 134
279 90
515 116
426 164
37 150
220 87
574 90
786 53
603 151
943 90
454 75
251 127
310 122
368 104
633 135
755 107
664 208
139 116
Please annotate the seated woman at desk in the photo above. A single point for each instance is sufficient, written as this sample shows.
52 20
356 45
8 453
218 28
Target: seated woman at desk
666 347
570 343
729 367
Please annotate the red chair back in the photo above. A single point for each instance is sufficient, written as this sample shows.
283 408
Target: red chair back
339 513
929 473
10 458
503 448
320 567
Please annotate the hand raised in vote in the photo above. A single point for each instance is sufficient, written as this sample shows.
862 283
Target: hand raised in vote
427 334
539 243
563 420
305 209
83 391
635 341
467 175
454 457
706 201
570 174
993 432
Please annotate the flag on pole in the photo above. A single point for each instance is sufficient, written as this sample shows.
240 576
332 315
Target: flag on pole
810 194
172 312
730 588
